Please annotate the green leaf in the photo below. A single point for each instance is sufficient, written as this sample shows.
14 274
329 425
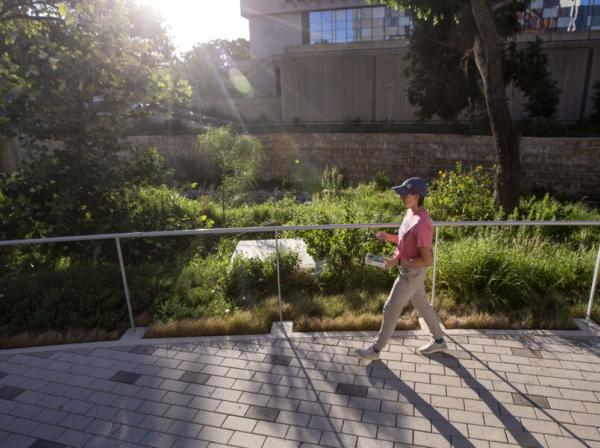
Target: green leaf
62 9
54 63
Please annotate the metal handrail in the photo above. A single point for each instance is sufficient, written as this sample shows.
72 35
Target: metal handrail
277 229
268 229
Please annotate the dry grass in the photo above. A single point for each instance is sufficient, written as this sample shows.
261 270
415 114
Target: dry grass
27 339
482 321
243 322
477 321
352 322
258 321
455 316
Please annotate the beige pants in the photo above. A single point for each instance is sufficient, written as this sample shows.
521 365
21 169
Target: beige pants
409 286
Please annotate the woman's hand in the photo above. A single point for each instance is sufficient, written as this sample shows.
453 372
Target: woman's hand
390 263
381 236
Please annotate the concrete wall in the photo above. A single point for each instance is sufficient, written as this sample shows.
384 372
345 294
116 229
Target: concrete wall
345 82
270 35
567 167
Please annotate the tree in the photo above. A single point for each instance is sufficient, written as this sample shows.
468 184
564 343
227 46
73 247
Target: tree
75 65
528 69
238 159
458 62
595 116
212 70
74 72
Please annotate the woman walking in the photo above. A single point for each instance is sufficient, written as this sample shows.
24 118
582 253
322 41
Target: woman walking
412 256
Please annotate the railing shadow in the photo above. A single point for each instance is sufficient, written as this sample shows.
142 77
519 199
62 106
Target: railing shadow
522 436
311 387
589 344
444 427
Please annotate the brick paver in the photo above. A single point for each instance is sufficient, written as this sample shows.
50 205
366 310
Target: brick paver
491 389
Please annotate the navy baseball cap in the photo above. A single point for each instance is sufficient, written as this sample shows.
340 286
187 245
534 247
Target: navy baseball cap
414 185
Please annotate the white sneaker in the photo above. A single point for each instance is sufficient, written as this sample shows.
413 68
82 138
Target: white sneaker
366 353
433 347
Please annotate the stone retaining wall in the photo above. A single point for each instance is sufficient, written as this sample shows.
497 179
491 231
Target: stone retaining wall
567 167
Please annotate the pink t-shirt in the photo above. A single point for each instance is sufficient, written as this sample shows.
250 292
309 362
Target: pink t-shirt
415 231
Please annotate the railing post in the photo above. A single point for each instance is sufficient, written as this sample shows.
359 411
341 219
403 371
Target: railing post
434 266
588 315
131 320
278 277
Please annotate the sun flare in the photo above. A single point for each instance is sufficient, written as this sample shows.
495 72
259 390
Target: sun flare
192 21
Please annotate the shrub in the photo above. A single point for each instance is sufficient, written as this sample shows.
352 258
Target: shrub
382 181
306 176
85 296
550 209
332 180
238 158
217 286
62 193
163 208
462 195
490 275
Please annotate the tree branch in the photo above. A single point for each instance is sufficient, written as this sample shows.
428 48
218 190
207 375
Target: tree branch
26 17
19 11
501 4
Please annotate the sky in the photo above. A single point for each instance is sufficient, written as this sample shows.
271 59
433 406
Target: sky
194 21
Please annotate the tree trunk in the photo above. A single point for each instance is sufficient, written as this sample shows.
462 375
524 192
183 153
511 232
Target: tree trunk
488 58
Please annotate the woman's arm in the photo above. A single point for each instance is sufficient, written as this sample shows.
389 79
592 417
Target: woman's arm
424 259
389 237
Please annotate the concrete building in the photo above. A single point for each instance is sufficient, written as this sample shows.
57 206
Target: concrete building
336 61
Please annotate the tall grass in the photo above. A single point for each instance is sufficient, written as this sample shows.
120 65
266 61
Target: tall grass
511 275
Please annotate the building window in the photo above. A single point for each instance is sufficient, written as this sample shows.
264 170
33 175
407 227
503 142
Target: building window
383 23
561 15
357 24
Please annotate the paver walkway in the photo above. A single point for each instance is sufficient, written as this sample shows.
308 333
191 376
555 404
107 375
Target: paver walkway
489 390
